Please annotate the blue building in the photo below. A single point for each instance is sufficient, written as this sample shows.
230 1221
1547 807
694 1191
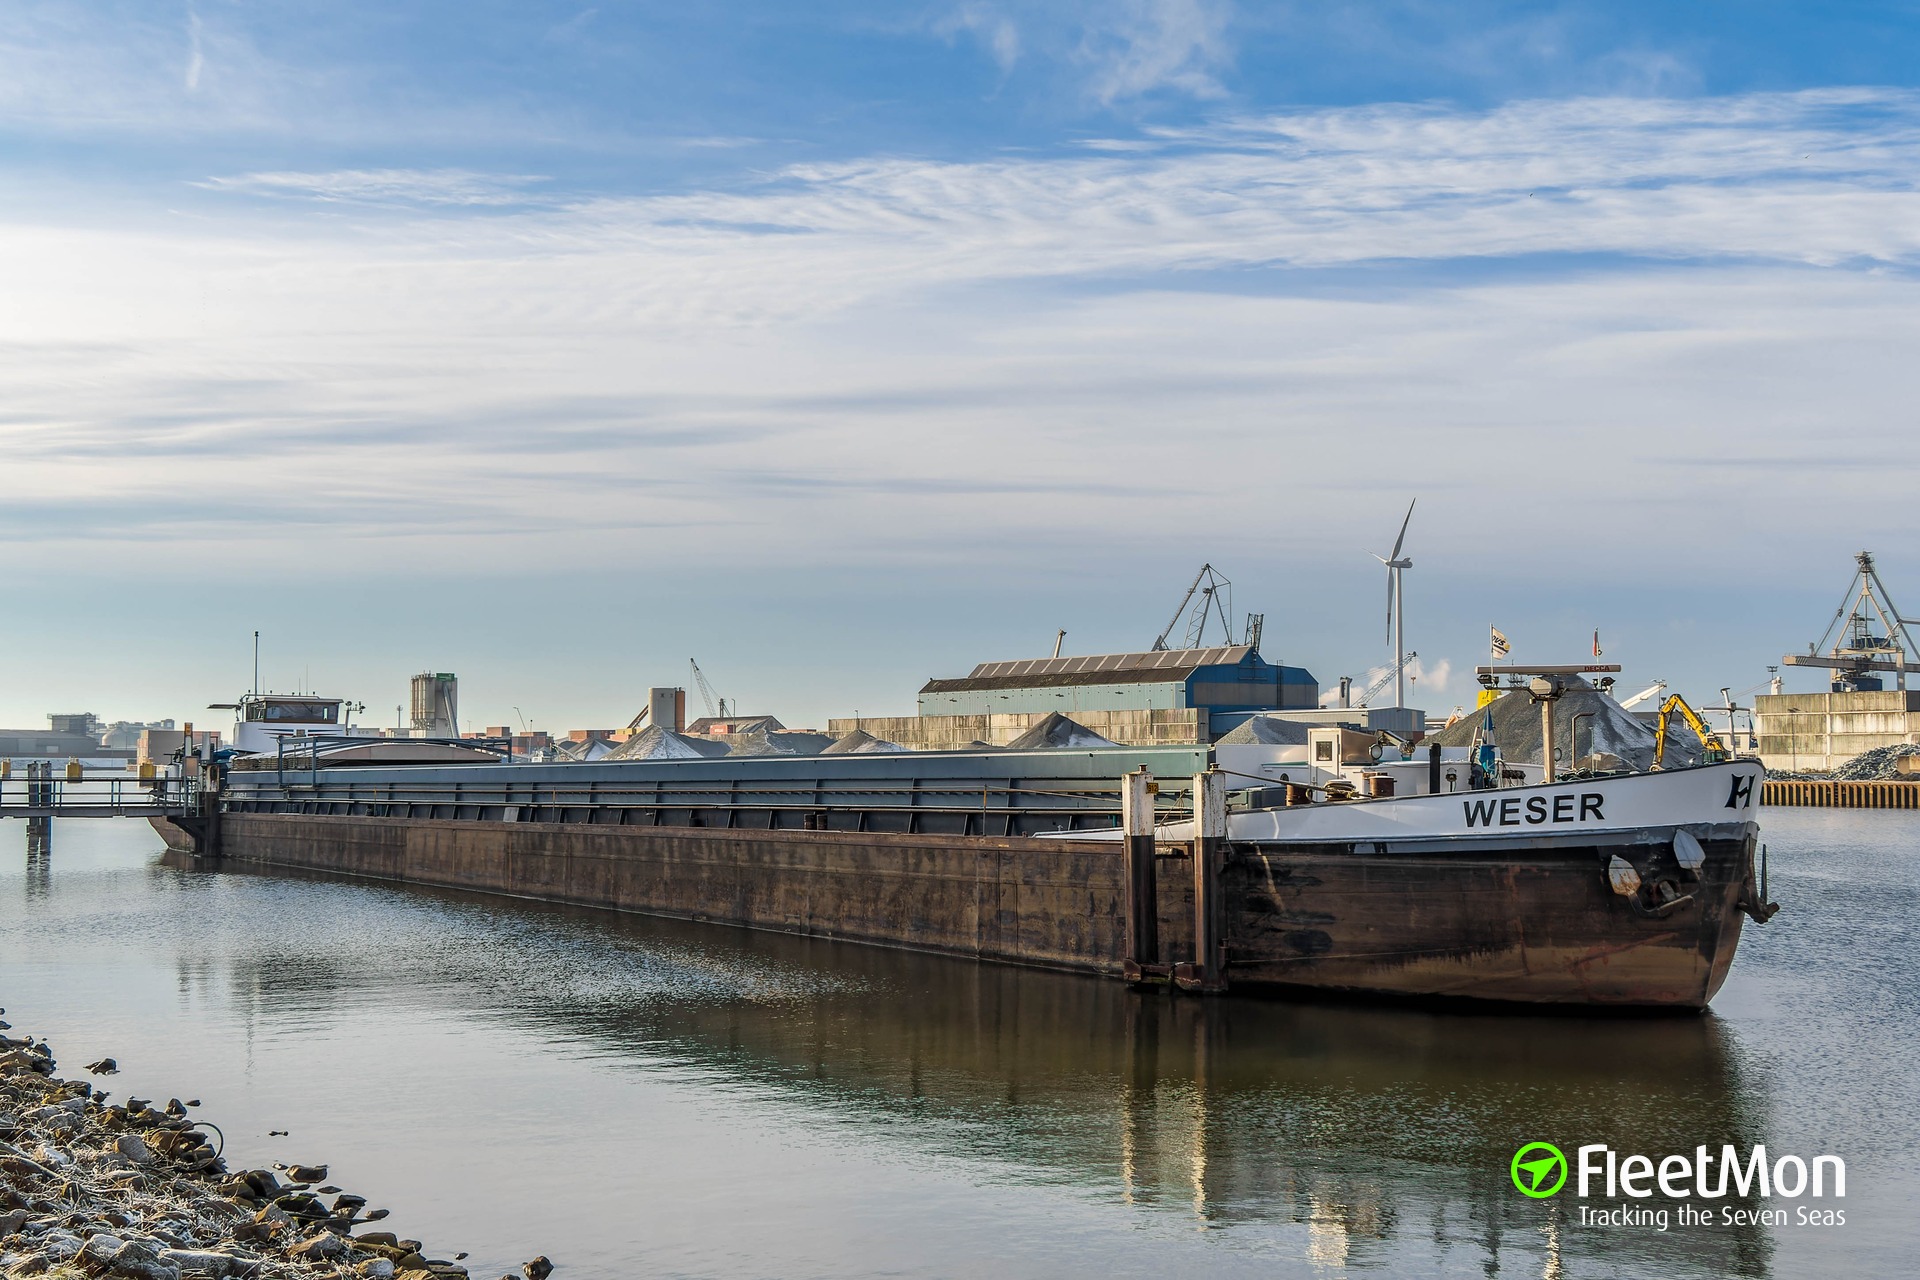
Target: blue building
1228 683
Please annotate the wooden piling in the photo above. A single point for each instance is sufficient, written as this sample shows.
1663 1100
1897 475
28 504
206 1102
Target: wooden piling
1209 970
1143 899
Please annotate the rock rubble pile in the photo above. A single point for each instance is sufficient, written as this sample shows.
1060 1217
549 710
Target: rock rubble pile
1882 764
134 1191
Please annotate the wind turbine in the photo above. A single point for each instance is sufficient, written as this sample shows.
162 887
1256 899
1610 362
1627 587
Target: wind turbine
1396 609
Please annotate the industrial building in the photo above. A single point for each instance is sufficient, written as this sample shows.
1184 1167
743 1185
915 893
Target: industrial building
436 705
62 740
1160 697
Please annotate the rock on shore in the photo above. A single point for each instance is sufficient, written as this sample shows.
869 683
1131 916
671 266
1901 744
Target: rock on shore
135 1191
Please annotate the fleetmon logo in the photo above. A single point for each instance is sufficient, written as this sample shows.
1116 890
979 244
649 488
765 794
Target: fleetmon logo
1539 1169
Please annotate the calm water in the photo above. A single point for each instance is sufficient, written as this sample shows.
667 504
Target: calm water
640 1097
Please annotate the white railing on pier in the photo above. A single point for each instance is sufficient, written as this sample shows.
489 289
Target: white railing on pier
43 792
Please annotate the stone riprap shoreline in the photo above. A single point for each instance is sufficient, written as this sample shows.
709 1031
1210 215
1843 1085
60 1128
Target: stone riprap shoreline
96 1189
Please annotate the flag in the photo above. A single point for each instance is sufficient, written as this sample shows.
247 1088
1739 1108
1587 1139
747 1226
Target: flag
1499 644
1596 642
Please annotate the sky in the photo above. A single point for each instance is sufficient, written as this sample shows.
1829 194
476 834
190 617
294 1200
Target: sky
839 346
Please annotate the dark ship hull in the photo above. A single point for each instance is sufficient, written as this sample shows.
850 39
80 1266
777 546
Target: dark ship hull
1639 904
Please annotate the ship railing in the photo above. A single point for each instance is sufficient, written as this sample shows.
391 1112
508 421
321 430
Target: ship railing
994 807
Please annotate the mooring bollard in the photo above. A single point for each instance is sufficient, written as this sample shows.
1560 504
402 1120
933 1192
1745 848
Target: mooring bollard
1142 893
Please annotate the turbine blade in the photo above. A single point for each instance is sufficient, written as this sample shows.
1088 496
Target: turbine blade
1391 577
1403 531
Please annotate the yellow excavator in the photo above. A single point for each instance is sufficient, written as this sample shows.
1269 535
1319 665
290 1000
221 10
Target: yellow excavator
1709 740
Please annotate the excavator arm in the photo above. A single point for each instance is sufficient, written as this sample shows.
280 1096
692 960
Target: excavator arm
1709 740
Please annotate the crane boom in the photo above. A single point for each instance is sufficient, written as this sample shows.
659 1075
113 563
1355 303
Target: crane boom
1386 678
1848 664
706 690
1651 690
1210 604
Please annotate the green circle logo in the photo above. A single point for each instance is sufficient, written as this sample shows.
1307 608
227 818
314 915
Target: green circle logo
1539 1169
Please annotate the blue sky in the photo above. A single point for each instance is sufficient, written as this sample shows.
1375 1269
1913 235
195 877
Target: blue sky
843 345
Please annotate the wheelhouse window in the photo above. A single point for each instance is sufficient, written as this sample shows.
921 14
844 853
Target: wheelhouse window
294 712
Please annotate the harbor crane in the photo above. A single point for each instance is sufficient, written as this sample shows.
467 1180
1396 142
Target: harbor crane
1211 586
1652 690
1860 654
716 707
1385 678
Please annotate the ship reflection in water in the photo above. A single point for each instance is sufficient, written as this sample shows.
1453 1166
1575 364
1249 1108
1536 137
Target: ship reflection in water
639 1096
1379 1133
1370 1134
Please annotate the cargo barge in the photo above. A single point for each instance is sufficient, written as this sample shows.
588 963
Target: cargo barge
1195 865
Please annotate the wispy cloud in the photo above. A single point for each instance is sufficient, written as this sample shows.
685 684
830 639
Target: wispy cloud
196 56
1116 50
572 27
1815 178
903 362
986 23
457 187
1137 47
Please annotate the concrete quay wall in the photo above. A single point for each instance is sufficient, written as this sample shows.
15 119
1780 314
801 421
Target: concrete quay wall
1822 731
1023 900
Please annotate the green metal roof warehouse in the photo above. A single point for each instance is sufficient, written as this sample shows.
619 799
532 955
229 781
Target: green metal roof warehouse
1230 682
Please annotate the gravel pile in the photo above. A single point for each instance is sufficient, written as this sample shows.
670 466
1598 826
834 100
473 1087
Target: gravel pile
776 742
1881 764
139 1192
1057 731
1270 731
861 743
1877 765
657 742
1611 729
